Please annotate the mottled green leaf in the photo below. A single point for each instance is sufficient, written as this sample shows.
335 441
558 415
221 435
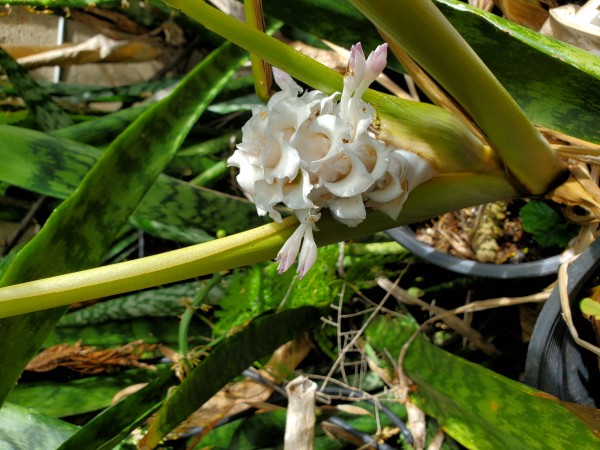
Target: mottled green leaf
170 209
83 228
102 129
24 428
160 302
110 334
477 407
69 398
48 114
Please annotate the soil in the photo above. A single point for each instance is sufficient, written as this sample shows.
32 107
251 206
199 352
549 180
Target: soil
456 234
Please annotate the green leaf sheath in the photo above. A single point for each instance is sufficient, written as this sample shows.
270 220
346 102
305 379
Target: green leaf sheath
82 229
477 407
249 247
228 360
83 4
426 35
48 114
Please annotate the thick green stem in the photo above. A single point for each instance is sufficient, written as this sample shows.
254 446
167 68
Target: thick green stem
422 31
441 194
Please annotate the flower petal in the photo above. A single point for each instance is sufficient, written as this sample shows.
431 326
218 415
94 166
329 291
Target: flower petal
308 254
349 211
289 251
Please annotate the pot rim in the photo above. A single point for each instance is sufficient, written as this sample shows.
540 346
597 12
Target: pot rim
534 269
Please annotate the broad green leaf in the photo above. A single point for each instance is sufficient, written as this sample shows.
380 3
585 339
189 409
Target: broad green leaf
170 209
24 428
226 361
546 225
82 229
69 398
155 330
77 93
167 301
48 114
111 426
551 81
590 307
102 129
477 407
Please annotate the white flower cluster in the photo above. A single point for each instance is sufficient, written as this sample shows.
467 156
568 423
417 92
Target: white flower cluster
311 151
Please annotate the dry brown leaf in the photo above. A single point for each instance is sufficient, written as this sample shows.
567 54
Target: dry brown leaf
417 425
349 409
126 392
437 440
96 49
528 13
89 360
111 23
572 194
336 432
300 417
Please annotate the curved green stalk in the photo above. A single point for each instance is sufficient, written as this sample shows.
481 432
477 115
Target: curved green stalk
188 314
423 31
441 194
265 47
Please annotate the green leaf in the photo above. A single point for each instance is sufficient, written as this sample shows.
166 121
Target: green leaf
170 209
24 428
160 302
83 228
111 426
590 307
551 81
226 361
69 398
260 289
547 226
109 334
477 407
48 114
102 129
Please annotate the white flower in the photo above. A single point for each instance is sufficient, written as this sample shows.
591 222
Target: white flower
308 254
310 151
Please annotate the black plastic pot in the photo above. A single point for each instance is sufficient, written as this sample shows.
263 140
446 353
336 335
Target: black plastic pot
544 267
555 363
